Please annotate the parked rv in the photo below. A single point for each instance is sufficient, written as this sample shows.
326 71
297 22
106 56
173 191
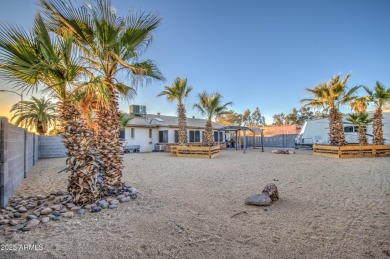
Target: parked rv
317 132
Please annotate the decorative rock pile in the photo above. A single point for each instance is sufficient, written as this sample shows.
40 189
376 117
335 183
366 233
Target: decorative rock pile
270 194
24 213
286 152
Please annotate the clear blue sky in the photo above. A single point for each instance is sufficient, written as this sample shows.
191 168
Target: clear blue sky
255 52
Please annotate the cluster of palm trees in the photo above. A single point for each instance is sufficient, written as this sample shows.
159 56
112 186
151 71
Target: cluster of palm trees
210 105
78 54
331 95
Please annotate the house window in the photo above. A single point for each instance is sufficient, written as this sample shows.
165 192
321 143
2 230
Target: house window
176 136
215 136
150 133
163 136
194 136
132 133
220 136
122 134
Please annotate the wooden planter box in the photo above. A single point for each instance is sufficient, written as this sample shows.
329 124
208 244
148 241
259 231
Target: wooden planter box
351 151
196 151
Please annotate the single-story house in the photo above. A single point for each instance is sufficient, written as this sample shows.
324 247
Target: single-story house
152 131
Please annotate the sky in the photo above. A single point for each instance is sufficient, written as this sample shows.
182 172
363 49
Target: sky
256 53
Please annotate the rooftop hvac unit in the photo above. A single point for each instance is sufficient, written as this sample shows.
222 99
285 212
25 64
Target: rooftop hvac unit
138 109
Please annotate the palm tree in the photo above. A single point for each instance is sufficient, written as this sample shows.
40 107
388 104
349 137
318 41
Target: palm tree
362 120
112 45
330 96
211 106
124 118
29 59
379 96
359 104
39 114
179 91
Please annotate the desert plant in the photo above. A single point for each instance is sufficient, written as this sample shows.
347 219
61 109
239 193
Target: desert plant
360 119
330 96
112 45
29 59
179 91
379 96
211 106
37 114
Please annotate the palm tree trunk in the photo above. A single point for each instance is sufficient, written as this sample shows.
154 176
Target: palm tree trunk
208 134
377 127
40 129
109 147
362 136
336 129
182 124
82 158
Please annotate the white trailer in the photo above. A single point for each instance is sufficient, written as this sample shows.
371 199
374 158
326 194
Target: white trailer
317 132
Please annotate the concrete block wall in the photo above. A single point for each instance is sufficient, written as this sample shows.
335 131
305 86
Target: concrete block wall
51 147
36 148
278 141
30 139
12 166
19 151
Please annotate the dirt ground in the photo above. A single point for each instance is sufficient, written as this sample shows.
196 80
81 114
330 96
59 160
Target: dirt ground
194 208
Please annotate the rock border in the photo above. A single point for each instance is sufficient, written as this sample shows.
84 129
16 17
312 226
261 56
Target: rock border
24 213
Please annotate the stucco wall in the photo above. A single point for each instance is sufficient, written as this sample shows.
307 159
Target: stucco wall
141 138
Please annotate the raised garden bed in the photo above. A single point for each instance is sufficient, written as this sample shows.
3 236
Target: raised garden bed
351 151
196 151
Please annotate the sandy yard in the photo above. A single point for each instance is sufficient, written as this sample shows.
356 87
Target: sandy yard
194 208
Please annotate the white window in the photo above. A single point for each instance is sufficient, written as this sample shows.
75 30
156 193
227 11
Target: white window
150 133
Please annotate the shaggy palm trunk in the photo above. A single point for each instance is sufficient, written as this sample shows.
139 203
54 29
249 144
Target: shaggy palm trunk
182 124
336 130
109 147
40 129
362 136
377 127
82 158
208 134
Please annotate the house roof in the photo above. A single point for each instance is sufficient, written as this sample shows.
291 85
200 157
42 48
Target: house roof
153 120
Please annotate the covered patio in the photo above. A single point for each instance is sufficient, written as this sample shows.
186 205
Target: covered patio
237 129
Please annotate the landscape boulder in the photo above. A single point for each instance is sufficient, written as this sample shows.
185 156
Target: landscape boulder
272 191
259 200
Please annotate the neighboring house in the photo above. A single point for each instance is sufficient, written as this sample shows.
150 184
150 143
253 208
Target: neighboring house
149 130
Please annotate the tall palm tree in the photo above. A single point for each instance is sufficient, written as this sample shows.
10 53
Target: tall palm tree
362 120
211 106
179 91
379 96
39 114
112 45
30 59
330 96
